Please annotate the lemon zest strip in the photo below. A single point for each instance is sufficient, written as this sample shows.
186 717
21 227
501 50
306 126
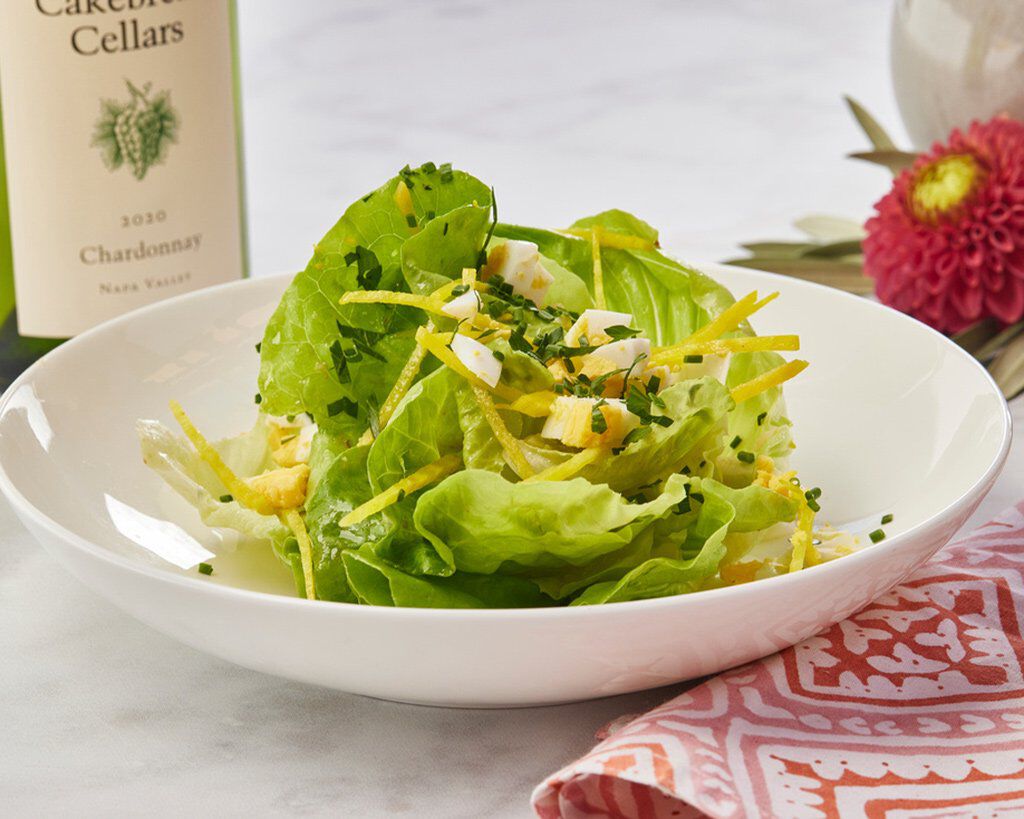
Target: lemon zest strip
595 249
730 318
725 346
765 381
249 497
239 489
509 443
293 520
431 473
534 404
568 468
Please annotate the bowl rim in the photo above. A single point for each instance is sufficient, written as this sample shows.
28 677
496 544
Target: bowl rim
27 509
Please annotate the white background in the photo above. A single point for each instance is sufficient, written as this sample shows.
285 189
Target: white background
717 121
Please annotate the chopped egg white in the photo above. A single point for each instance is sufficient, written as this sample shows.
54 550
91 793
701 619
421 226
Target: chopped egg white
716 366
623 353
617 356
464 307
518 263
592 325
478 359
570 422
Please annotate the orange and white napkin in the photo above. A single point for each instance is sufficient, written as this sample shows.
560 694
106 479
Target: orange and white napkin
913 707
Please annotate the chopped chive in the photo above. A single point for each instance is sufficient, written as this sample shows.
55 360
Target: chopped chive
813 494
458 290
886 519
598 423
428 167
877 535
685 470
745 457
813 505
258 399
430 215
702 464
498 354
226 498
617 332
735 442
693 359
401 495
697 496
205 568
410 219
259 346
344 405
761 417
683 506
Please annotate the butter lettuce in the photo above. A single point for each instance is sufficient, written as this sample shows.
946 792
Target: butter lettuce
306 353
656 518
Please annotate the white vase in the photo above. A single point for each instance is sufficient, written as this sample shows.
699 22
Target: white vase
954 61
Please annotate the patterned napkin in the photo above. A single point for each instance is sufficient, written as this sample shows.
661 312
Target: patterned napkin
914 707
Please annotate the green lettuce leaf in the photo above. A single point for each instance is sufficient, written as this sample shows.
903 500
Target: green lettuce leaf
755 507
555 533
248 454
664 576
380 583
306 353
439 252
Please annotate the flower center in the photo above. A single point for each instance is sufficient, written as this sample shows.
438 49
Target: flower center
943 186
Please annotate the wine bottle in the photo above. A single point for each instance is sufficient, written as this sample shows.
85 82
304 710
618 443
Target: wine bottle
120 162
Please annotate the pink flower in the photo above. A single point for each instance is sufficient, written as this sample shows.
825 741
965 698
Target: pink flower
946 244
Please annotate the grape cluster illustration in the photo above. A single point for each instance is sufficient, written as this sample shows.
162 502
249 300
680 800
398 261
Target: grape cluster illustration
136 132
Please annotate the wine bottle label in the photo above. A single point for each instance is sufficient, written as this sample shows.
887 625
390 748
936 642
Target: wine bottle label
122 158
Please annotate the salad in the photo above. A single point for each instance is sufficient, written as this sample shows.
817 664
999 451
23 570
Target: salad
458 412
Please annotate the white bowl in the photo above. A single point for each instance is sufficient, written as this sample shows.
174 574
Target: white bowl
890 417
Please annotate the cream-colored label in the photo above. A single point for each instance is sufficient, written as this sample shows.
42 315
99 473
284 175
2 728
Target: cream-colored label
121 152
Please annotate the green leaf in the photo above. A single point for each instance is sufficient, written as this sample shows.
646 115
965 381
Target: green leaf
698 411
831 250
662 576
298 369
779 250
377 582
563 535
446 245
874 132
895 161
846 276
619 221
994 344
830 228
1008 368
424 427
177 462
755 506
978 335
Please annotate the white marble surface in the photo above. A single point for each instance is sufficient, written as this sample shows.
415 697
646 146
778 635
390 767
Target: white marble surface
718 120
